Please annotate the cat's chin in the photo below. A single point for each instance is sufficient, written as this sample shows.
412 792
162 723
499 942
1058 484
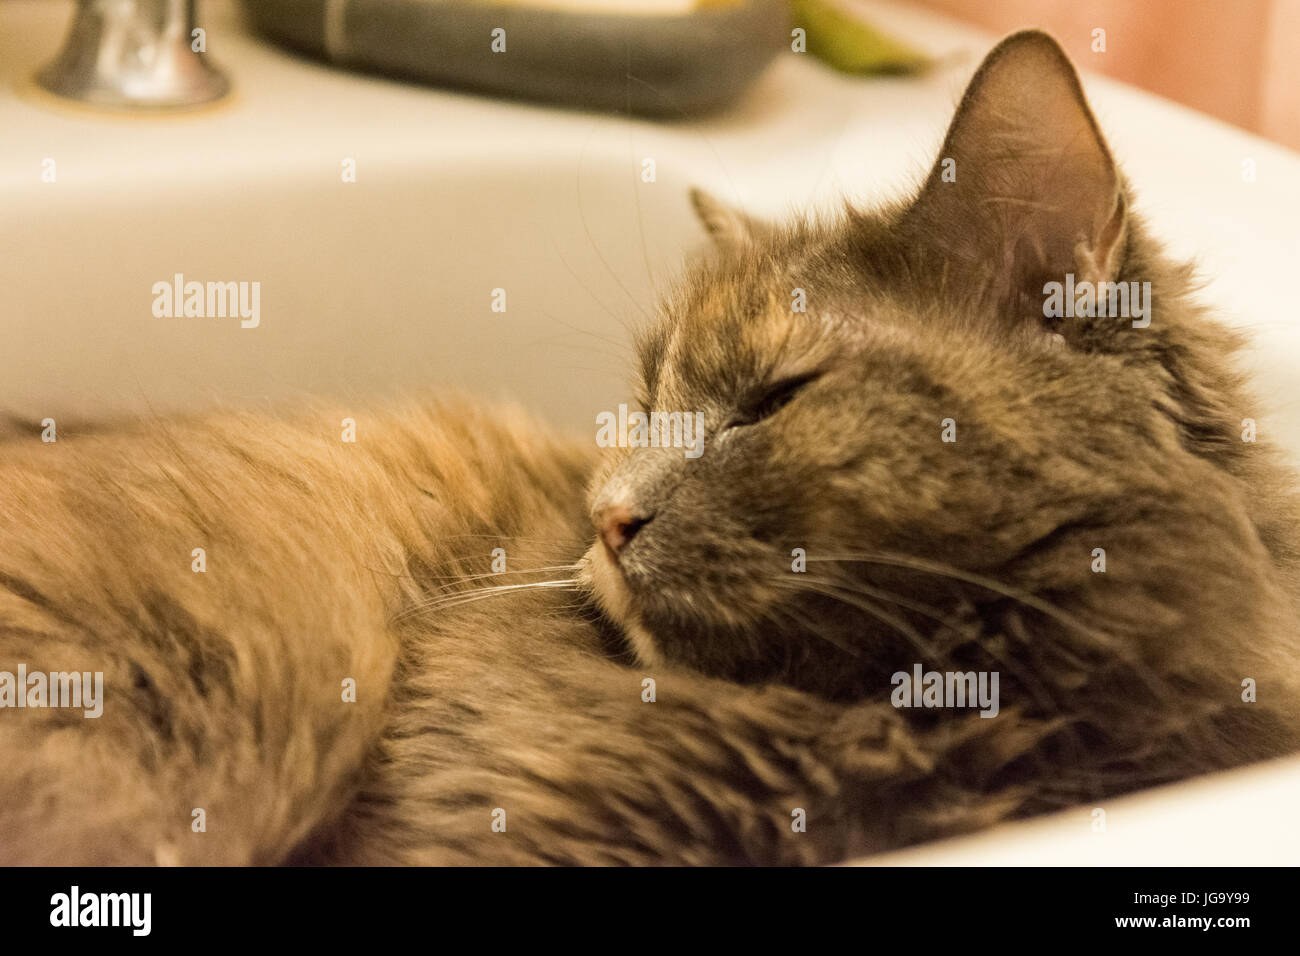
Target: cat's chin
602 578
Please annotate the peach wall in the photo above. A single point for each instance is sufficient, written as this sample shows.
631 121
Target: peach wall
1280 110
1238 60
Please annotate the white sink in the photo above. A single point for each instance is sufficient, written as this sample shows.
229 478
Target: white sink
374 285
387 283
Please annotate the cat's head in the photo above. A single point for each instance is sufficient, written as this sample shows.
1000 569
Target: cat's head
893 428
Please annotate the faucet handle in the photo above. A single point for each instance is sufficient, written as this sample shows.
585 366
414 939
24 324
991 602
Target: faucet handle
134 54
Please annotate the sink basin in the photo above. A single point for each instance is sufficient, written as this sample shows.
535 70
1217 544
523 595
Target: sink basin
388 282
374 285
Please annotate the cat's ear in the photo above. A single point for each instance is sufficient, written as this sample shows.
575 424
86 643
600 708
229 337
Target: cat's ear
727 226
1025 188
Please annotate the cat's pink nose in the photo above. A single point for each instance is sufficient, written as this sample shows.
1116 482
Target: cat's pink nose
617 526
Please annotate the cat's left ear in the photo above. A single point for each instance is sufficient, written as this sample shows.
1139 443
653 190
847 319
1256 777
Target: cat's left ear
1025 189
729 227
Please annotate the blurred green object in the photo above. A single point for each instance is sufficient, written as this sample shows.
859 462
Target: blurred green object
842 41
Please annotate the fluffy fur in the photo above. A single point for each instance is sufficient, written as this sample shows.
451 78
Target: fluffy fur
329 560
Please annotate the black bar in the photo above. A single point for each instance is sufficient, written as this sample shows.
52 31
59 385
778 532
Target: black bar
445 909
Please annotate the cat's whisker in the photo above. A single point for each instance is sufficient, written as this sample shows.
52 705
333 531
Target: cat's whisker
1025 676
556 541
484 594
777 614
455 579
458 578
623 346
446 601
883 594
899 625
591 239
1024 598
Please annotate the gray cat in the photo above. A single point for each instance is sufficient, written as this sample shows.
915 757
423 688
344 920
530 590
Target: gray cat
308 654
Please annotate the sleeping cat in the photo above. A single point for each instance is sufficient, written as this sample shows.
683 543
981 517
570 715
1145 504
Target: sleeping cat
312 654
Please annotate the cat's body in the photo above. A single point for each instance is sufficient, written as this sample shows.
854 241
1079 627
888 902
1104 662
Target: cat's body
225 687
516 727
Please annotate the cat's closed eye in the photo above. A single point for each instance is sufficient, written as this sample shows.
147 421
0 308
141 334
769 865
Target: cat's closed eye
771 400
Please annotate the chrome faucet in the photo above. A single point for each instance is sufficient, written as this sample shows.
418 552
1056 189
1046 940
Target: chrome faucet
134 54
